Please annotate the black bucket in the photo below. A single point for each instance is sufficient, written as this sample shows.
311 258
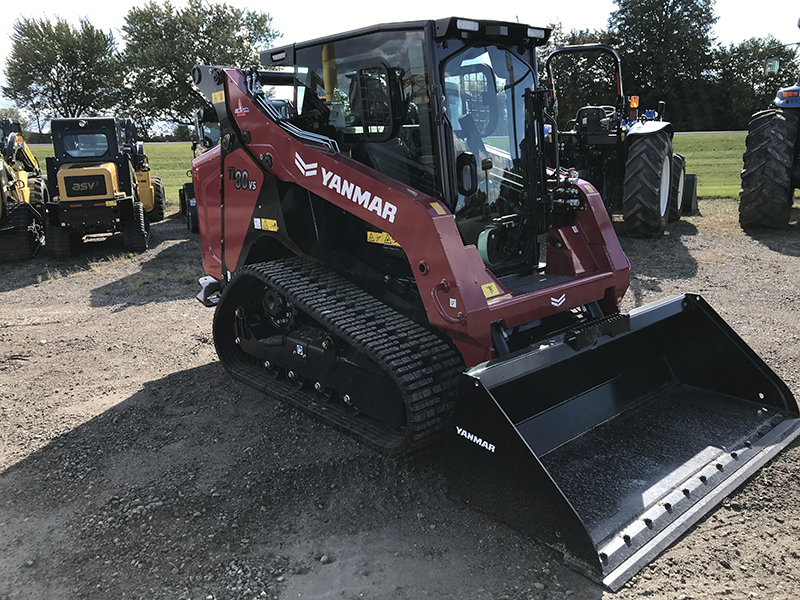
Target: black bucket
611 452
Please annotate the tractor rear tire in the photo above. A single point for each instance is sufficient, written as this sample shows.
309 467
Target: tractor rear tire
676 187
645 201
767 193
159 201
134 232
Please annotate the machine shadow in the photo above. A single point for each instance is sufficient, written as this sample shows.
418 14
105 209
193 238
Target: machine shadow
783 241
196 464
656 260
167 275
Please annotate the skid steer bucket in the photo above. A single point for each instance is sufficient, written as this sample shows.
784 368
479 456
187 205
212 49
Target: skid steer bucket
609 453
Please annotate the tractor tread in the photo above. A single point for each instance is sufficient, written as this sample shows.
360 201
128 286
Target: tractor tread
766 195
641 203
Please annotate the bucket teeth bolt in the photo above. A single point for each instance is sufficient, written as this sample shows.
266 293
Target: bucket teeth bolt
347 400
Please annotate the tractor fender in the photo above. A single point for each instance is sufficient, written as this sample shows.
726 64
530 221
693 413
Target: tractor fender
788 97
642 128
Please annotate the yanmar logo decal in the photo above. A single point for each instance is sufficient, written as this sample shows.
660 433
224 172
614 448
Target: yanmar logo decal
474 438
346 189
558 301
307 169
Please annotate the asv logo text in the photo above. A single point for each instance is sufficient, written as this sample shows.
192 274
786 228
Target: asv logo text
84 186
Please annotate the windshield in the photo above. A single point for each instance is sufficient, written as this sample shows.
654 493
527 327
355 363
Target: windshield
85 145
484 103
373 93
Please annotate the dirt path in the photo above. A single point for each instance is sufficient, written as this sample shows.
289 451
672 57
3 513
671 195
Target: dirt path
131 466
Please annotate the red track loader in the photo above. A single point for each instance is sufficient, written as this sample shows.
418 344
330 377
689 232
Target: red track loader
394 256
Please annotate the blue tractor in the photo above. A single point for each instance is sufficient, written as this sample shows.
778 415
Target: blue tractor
771 169
626 154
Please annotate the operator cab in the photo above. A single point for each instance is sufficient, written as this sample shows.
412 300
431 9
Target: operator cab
89 144
424 104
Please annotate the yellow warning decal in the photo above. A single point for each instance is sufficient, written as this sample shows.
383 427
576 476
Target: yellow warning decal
381 237
490 290
438 208
111 202
218 97
265 224
589 188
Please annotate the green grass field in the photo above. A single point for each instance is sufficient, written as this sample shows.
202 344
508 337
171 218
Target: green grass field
171 162
717 160
715 157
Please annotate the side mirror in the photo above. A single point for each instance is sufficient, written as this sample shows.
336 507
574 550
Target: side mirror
772 66
467 172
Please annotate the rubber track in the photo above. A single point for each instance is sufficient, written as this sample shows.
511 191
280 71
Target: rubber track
134 232
641 204
15 243
765 198
425 367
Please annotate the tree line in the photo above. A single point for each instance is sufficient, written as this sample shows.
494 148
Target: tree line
80 71
668 54
666 46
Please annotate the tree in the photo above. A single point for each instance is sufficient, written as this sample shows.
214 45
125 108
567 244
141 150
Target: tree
182 133
163 43
744 86
15 115
666 49
580 79
55 70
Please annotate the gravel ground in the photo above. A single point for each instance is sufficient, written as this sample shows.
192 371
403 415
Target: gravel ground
131 466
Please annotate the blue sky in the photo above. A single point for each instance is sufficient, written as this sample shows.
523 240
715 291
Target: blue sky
737 21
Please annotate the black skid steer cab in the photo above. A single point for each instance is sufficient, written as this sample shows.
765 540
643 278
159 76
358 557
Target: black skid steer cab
100 183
